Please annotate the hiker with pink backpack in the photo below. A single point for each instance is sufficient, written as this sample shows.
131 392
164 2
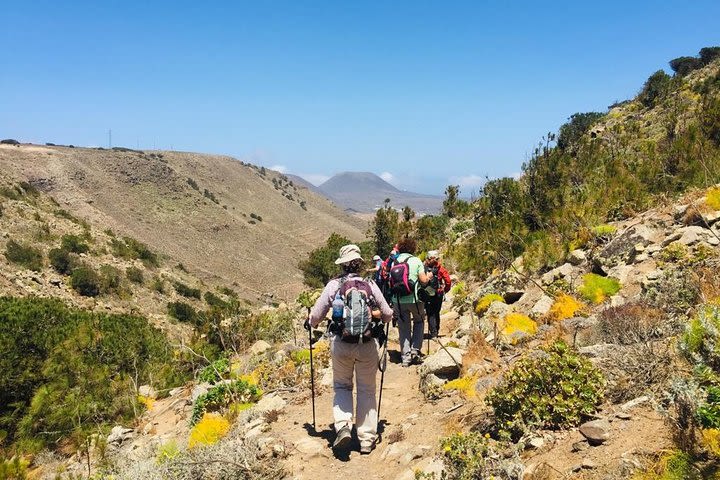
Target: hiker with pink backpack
406 275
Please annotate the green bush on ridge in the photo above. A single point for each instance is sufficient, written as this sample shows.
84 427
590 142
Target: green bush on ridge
24 255
65 369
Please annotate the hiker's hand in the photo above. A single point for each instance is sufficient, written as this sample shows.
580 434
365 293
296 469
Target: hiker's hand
429 275
307 325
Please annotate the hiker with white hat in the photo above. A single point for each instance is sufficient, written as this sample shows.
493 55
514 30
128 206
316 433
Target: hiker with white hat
435 290
355 303
376 270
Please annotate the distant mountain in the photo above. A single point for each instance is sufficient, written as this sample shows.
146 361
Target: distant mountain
364 192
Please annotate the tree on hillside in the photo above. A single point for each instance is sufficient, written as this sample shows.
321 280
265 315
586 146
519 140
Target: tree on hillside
656 87
684 65
320 265
406 226
451 199
578 124
708 54
384 229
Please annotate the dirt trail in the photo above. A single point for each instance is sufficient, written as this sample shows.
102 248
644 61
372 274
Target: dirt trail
403 409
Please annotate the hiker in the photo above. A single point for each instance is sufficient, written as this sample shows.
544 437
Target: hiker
385 275
353 353
406 273
435 291
376 271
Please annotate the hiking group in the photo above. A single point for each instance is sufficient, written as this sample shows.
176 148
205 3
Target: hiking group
361 314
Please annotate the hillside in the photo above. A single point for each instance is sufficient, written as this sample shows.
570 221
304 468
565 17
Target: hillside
227 222
365 192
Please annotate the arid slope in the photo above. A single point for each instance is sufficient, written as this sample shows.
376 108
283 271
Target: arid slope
165 199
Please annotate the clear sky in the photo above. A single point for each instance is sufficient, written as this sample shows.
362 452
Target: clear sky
426 93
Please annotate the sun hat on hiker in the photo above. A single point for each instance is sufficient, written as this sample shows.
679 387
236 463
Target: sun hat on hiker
348 253
433 254
376 258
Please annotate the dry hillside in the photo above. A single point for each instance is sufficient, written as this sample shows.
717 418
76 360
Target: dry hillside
227 222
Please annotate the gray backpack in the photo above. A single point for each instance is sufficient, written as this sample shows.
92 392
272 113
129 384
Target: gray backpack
357 319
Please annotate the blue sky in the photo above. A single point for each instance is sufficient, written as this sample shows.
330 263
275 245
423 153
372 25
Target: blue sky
426 93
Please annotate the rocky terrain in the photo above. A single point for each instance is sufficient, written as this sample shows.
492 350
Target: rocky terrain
663 261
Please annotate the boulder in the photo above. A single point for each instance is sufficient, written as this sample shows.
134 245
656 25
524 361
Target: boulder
260 347
623 247
445 363
270 403
596 432
497 311
310 447
147 391
199 389
542 306
449 316
119 434
577 257
564 271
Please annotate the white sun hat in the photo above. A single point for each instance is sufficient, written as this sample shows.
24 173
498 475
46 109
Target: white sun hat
348 253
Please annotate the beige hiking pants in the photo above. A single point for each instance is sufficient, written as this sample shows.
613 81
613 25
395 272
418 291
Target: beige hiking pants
362 360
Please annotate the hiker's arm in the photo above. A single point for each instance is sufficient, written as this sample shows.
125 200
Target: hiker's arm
424 277
323 304
386 311
445 277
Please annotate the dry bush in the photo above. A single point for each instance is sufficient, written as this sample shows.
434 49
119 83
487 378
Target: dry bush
633 323
478 350
396 435
232 459
675 292
709 281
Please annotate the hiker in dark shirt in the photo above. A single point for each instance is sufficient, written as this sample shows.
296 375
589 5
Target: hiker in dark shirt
435 290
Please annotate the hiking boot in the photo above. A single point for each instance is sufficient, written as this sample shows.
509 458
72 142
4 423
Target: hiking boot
343 439
415 359
366 448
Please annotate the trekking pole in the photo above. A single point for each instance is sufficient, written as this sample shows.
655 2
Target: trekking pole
312 376
382 365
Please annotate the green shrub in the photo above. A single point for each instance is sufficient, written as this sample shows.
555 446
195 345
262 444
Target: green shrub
597 289
701 341
470 456
74 244
222 395
70 369
24 255
604 231
214 301
182 311
110 279
158 284
85 281
208 194
132 249
215 371
62 261
674 253
193 184
557 389
135 275
246 328
186 291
